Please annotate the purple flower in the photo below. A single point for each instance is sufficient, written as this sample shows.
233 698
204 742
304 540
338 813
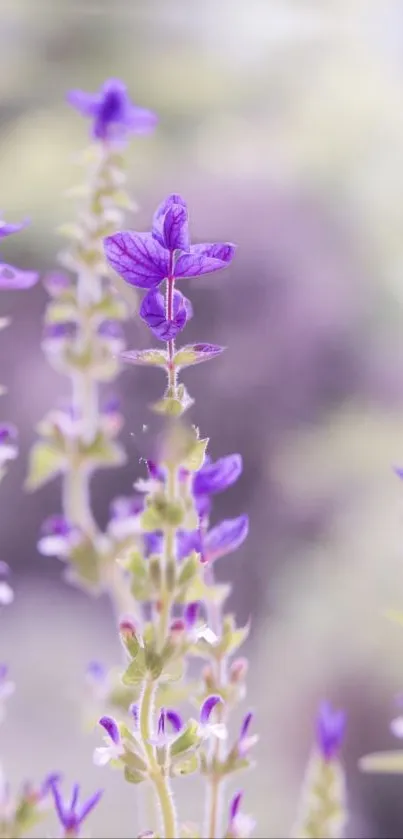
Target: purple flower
164 737
57 536
191 614
111 331
113 114
8 442
225 538
146 259
71 815
6 592
330 727
188 541
56 283
125 514
208 729
12 278
218 476
56 334
240 825
245 740
113 748
9 229
152 543
153 313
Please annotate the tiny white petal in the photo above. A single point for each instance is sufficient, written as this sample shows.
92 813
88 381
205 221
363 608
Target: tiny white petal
6 594
8 452
122 528
219 730
102 756
207 635
53 545
396 727
243 825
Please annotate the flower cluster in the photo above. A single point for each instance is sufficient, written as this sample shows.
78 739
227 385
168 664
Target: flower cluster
82 339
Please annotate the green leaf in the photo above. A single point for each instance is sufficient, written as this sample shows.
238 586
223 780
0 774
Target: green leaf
60 312
189 569
385 762
168 406
136 670
173 671
103 452
45 462
192 354
133 777
395 616
86 562
189 738
195 459
110 307
154 663
185 767
154 358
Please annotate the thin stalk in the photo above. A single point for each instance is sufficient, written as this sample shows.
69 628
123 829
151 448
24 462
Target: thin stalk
157 776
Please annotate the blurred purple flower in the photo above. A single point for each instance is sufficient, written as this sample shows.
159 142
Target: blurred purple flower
9 229
153 313
12 278
113 114
56 283
125 514
240 825
71 815
146 259
57 536
218 476
6 592
330 727
225 538
8 442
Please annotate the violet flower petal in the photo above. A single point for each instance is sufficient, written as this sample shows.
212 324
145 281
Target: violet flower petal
86 103
191 613
111 728
202 260
152 312
160 213
208 707
137 257
88 806
175 720
176 228
12 278
235 806
218 476
330 728
8 229
225 538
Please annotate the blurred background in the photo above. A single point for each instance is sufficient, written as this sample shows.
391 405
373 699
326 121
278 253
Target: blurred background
281 123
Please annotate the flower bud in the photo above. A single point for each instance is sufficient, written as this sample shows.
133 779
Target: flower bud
238 670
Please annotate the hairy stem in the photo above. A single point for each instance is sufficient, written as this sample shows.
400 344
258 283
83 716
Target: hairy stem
157 776
215 781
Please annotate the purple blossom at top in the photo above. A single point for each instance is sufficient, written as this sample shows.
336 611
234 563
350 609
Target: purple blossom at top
146 259
70 813
113 115
330 727
153 313
218 476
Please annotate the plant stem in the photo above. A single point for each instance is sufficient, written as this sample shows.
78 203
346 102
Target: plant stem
157 776
216 781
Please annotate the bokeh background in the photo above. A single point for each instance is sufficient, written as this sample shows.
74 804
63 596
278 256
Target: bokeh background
281 122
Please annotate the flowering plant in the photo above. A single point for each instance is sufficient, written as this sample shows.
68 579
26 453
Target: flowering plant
157 555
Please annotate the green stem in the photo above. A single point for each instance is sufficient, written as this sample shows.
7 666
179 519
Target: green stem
157 776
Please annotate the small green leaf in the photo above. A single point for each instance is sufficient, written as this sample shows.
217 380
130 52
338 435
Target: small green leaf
154 663
173 671
185 767
45 462
195 459
189 738
385 762
154 358
136 670
103 452
133 777
61 312
110 307
168 406
189 569
86 562
192 354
